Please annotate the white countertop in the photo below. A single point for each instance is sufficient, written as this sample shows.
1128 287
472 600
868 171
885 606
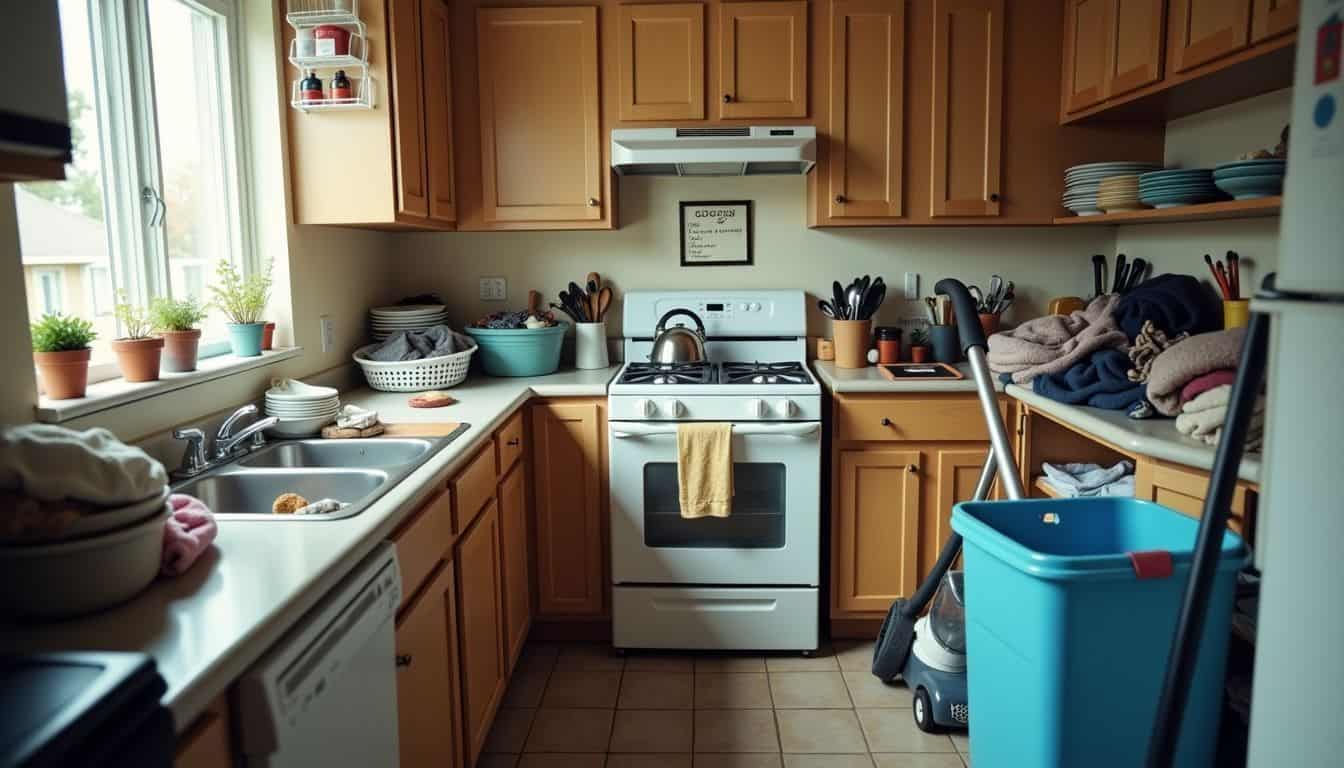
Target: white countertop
1156 437
870 380
206 627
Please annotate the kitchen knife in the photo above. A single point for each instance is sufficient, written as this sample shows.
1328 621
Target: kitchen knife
1118 283
1098 263
1135 276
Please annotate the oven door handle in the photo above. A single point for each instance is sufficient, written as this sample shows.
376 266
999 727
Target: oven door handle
783 430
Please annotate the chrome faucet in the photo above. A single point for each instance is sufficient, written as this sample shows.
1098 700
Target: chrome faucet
226 442
194 461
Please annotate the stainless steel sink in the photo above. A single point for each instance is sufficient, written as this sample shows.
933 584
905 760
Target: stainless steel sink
356 472
366 454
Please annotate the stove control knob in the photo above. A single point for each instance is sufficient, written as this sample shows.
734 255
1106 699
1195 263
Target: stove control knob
757 409
674 408
755 306
744 306
786 408
645 408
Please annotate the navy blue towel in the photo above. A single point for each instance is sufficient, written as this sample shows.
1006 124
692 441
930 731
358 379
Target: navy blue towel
1099 381
1175 303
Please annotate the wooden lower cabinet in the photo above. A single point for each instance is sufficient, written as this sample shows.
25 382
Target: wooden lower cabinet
1184 489
569 469
481 627
875 528
430 730
206 742
515 558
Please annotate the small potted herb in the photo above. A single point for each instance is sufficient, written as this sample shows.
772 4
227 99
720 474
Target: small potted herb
138 351
61 351
919 346
242 300
177 321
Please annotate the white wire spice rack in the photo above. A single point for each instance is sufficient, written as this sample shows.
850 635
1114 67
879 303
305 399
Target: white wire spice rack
306 15
361 87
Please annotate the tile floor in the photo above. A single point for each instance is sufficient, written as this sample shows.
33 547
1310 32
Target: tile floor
579 706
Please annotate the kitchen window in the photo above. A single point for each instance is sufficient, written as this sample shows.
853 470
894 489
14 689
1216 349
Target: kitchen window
157 194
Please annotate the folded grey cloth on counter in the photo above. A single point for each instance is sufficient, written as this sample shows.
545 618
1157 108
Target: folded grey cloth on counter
1074 480
436 341
1054 343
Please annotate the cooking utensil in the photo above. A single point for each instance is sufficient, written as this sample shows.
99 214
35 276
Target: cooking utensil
533 302
1118 279
852 295
872 299
1098 264
978 295
565 308
1234 271
932 306
594 287
838 300
572 300
1135 275
1223 287
995 289
678 344
603 302
826 309
580 299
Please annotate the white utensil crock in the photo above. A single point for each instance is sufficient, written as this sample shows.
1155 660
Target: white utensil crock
590 346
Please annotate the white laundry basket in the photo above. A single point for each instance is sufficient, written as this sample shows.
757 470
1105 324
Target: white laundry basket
414 375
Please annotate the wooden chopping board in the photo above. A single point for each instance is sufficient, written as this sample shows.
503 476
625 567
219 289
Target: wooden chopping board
420 429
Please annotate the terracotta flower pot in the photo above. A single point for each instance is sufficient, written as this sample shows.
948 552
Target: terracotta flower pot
919 354
268 336
65 374
138 359
989 324
180 349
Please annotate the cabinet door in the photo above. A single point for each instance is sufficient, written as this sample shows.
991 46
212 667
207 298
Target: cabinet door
876 529
1087 49
661 65
428 727
1135 45
1184 490
567 460
1270 18
1204 30
481 630
517 574
867 92
408 118
436 22
763 59
956 470
967 106
541 157
206 743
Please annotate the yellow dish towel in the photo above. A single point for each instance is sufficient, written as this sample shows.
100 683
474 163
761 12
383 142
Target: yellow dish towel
705 469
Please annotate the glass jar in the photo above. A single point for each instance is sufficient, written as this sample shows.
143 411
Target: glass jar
888 344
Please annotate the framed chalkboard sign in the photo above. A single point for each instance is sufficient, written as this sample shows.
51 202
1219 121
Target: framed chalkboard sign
716 233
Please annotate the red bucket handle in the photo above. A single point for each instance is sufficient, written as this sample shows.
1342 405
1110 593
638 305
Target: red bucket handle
1151 564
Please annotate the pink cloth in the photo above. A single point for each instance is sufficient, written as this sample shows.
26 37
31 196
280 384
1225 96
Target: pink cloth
188 532
1201 384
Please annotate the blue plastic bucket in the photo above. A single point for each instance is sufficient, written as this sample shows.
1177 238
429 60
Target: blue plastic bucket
1066 644
519 351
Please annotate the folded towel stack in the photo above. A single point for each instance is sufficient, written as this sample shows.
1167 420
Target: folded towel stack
1188 360
1204 415
1073 480
1100 381
1053 343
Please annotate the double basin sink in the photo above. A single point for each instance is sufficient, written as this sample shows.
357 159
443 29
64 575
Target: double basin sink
356 472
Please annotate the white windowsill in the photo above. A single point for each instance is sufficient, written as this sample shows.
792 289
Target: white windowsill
115 392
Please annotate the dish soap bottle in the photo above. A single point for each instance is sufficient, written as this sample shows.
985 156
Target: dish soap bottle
340 86
310 88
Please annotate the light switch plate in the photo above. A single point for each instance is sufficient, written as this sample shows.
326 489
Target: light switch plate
912 285
494 289
328 333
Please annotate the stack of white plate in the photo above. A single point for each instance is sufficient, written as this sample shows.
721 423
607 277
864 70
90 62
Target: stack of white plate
1082 182
303 409
385 321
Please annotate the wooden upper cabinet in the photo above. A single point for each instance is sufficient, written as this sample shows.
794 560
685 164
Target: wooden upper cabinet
481 628
876 528
968 77
1205 30
867 109
661 62
408 119
428 729
541 154
515 559
762 59
436 23
1134 57
1270 18
1087 43
568 457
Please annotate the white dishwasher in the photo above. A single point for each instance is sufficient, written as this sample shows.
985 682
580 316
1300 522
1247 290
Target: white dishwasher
326 693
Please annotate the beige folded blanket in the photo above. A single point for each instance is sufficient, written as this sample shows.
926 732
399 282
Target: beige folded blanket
1203 417
1195 356
1052 343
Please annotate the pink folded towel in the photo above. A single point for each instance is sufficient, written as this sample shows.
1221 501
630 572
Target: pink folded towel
1201 384
188 532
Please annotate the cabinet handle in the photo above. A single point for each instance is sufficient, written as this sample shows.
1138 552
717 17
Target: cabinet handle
403 659
727 98
885 422
515 441
993 197
841 199
911 468
592 202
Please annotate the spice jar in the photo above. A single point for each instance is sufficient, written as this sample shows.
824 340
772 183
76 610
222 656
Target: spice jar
888 344
310 87
340 85
331 40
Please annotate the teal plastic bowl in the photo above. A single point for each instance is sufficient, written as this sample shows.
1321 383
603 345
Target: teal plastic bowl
519 351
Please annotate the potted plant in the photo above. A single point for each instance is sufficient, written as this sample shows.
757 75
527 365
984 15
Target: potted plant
242 300
268 335
61 351
919 346
176 321
138 351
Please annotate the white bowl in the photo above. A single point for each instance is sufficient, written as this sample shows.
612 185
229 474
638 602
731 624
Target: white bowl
73 577
102 521
301 427
298 391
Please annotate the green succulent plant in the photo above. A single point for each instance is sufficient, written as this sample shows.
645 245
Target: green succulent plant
62 333
919 338
241 299
167 314
133 317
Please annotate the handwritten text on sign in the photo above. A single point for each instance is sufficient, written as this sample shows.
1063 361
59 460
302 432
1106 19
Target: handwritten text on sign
716 232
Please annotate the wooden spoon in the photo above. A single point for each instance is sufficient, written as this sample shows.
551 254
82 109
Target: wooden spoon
534 303
603 301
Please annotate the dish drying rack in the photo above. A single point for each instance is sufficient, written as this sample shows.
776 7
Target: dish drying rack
310 14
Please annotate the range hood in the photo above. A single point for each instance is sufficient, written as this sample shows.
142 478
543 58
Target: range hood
722 151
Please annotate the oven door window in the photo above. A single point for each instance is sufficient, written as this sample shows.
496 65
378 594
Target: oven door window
757 520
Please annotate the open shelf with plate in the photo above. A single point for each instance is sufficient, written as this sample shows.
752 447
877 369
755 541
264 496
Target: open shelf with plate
1227 209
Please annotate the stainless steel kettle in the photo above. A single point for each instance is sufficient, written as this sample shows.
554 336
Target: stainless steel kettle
678 344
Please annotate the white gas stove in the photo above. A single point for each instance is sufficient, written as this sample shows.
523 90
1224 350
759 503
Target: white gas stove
750 580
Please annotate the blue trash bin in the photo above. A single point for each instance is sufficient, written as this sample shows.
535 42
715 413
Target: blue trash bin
1071 605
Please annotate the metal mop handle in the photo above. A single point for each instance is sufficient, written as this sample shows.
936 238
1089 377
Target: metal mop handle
974 345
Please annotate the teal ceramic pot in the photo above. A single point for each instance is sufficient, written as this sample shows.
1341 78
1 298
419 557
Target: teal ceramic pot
520 351
246 339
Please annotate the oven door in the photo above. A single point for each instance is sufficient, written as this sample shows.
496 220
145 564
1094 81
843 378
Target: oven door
771 537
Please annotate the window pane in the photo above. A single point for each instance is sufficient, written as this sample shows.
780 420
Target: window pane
190 97
62 235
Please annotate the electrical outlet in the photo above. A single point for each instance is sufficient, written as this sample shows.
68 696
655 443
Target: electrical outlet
494 289
912 285
328 333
